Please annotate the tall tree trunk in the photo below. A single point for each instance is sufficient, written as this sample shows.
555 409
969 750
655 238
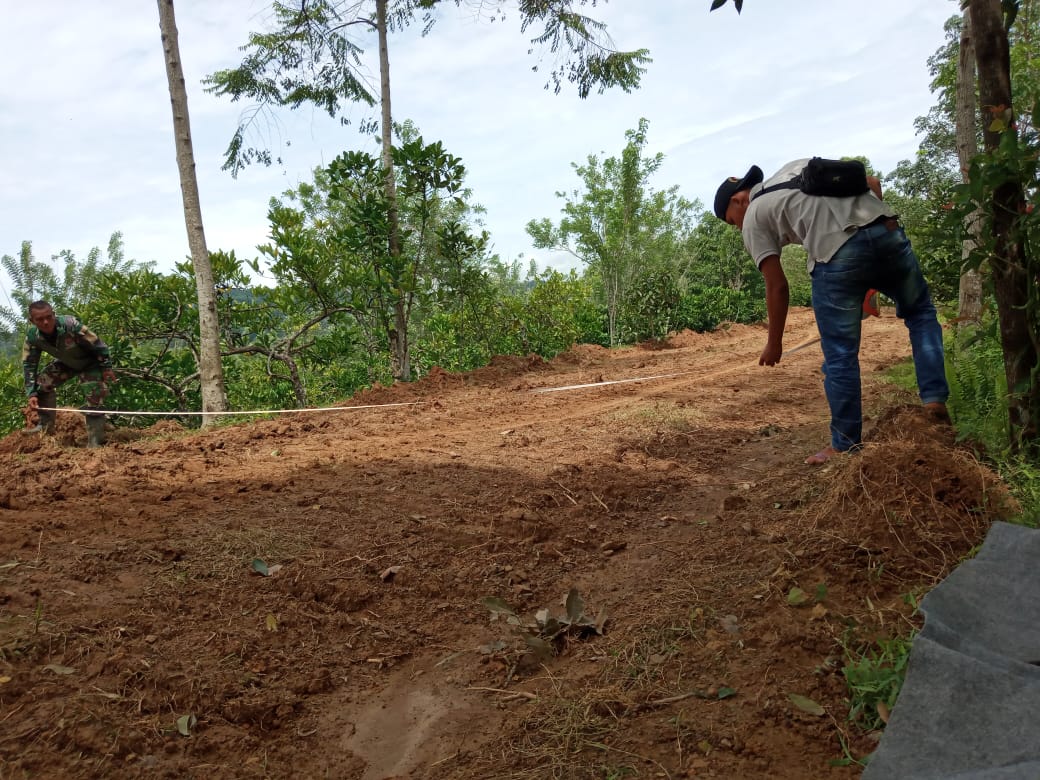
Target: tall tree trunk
211 372
1012 270
401 361
970 303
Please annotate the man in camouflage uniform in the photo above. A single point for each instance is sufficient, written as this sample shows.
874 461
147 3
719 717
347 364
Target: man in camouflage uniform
76 352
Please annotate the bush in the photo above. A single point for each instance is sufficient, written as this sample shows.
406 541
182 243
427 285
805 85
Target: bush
706 309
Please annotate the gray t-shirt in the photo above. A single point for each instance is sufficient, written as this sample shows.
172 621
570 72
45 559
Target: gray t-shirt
789 216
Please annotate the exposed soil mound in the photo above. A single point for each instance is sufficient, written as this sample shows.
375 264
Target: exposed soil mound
910 505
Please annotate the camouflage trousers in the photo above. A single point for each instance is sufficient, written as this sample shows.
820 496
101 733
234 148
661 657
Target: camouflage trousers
56 373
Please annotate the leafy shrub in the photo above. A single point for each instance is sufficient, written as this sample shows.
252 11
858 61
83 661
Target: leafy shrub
706 309
648 308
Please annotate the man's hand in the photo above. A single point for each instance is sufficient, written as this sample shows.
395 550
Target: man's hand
31 412
108 375
771 354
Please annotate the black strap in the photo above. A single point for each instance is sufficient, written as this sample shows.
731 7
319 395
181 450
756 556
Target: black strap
791 184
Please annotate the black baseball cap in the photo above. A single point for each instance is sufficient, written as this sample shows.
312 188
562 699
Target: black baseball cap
732 186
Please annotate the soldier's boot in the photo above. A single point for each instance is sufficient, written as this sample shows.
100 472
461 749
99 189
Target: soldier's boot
45 423
95 430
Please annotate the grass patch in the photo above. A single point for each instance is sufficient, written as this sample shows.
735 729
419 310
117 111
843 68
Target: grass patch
874 672
661 417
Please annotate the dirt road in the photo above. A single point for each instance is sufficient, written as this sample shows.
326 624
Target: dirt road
305 596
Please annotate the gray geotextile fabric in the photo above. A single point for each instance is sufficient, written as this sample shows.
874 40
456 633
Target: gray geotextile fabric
970 705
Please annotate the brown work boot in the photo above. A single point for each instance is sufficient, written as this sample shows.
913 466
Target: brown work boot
938 412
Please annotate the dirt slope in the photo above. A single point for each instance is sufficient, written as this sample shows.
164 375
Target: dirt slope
677 507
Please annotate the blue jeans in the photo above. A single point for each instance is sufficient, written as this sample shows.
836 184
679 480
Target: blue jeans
878 258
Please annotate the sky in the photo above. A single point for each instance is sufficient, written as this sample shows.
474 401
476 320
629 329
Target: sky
87 141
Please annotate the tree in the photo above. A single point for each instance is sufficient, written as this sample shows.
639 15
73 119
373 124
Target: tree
1016 274
211 372
329 252
616 224
308 58
970 293
716 257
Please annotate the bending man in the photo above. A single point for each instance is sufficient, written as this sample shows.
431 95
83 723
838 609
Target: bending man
854 244
76 352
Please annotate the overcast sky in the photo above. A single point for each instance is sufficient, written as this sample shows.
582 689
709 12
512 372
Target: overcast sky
86 128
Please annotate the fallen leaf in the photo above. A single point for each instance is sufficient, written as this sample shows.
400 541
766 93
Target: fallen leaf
4 679
260 567
725 693
883 711
59 669
185 723
806 704
796 596
818 612
541 649
497 606
575 606
272 622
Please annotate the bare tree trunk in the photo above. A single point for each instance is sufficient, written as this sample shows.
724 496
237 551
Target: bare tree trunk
400 360
1011 267
211 372
970 303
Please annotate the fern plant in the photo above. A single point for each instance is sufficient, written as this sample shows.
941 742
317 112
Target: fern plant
978 386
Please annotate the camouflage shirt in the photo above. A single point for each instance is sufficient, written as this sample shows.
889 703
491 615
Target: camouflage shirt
73 344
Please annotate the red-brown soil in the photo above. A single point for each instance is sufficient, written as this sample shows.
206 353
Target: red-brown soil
678 507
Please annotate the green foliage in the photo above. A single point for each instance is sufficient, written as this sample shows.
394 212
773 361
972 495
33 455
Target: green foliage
649 308
978 386
306 59
150 323
595 64
1023 478
67 283
715 257
621 228
874 673
12 397
549 317
793 259
979 407
707 309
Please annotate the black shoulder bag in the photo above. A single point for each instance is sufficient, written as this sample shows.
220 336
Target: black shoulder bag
827 178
